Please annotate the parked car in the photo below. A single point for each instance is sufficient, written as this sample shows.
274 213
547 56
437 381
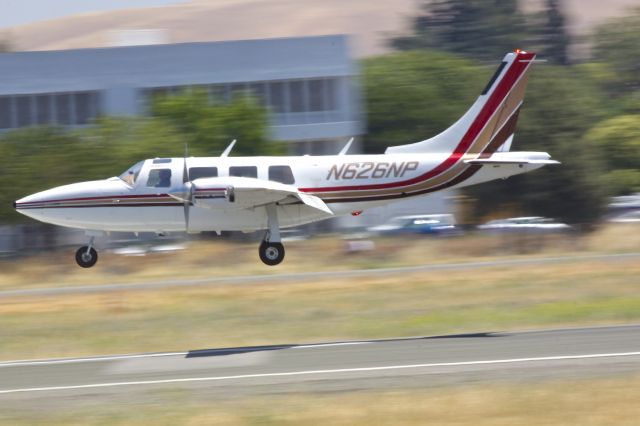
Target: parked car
628 217
525 224
434 224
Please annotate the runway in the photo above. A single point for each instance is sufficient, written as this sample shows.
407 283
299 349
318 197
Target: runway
403 362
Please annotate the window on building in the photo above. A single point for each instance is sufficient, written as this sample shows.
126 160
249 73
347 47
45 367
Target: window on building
244 171
23 110
330 91
259 90
158 92
238 89
43 109
218 93
277 96
5 112
83 107
202 172
296 96
63 108
316 95
282 174
96 108
159 178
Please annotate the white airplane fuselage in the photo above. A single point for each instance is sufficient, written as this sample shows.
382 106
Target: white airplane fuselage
348 184
253 193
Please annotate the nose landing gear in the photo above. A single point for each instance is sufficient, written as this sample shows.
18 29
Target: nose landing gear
271 249
87 256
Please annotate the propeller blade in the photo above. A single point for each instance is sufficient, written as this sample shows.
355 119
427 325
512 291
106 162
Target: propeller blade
186 216
185 172
188 193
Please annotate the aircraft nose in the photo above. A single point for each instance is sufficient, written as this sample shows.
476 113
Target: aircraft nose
28 206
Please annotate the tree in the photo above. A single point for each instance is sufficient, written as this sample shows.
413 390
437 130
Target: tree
618 139
482 29
33 160
553 36
558 110
209 127
616 48
411 96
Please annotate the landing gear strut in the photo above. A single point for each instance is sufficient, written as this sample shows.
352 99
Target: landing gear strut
87 256
271 249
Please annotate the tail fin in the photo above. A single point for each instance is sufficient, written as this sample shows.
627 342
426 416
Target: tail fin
489 124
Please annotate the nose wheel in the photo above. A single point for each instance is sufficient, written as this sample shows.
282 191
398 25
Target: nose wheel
87 256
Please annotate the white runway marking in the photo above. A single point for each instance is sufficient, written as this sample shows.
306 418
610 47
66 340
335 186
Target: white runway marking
317 372
90 359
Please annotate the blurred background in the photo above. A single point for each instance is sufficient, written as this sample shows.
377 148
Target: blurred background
89 88
85 95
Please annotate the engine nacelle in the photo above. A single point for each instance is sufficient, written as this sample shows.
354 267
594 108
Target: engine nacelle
212 196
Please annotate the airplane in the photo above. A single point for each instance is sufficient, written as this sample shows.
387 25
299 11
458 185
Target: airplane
196 194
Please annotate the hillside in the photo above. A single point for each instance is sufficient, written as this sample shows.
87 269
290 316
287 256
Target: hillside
370 21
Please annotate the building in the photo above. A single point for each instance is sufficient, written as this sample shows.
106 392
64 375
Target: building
308 83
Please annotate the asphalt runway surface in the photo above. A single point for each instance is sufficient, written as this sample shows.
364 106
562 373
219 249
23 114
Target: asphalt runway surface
335 366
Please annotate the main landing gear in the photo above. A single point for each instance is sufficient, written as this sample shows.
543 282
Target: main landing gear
271 249
87 256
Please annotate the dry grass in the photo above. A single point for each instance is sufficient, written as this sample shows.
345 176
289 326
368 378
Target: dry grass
489 299
612 401
221 258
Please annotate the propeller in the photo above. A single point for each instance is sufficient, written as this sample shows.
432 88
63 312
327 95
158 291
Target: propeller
184 194
187 199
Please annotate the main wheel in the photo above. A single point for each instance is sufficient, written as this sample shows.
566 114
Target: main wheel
271 253
86 257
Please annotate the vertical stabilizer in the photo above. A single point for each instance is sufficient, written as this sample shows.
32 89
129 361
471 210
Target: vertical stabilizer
490 122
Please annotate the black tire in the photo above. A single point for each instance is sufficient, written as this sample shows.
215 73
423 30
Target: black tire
271 253
84 259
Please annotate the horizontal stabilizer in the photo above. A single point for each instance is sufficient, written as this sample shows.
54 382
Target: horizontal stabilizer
540 158
488 161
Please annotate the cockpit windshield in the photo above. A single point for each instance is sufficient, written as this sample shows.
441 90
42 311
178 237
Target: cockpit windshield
131 174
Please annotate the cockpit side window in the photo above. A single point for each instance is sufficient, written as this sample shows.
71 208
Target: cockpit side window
159 178
131 174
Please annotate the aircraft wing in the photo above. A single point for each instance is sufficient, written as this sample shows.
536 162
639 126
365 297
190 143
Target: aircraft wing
244 193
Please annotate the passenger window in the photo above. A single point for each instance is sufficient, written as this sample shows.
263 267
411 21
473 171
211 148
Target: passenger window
281 174
202 172
159 178
244 171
